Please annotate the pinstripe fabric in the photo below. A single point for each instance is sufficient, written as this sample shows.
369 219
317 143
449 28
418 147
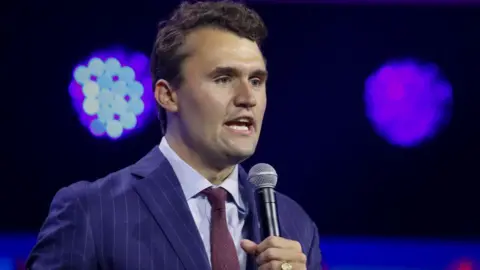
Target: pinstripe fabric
138 218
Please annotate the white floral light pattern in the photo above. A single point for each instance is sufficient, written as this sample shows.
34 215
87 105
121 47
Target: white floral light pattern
111 95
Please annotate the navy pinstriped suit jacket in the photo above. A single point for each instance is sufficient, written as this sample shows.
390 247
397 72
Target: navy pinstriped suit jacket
138 218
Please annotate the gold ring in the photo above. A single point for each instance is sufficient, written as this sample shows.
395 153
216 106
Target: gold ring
286 266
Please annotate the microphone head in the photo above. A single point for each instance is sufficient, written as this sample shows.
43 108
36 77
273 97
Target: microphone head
263 175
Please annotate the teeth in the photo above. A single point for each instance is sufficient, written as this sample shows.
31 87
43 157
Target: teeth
243 120
242 128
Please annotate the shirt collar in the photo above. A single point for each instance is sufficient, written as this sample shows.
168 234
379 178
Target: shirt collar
193 183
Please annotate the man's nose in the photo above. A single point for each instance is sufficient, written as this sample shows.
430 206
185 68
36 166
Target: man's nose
245 96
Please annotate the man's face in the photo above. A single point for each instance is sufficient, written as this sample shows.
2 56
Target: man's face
222 98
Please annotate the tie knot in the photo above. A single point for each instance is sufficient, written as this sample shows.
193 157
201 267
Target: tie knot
216 196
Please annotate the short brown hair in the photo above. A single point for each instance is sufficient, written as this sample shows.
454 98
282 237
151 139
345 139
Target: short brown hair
227 15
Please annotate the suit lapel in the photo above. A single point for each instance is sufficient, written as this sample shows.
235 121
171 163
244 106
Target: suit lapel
161 192
252 222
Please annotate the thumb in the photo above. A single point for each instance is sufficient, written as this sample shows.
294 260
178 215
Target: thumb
249 246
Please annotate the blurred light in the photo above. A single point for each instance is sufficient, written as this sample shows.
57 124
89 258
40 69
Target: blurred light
6 264
407 101
112 93
463 264
20 265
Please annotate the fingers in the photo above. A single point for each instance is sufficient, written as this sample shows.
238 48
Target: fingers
278 242
272 252
281 255
249 247
277 265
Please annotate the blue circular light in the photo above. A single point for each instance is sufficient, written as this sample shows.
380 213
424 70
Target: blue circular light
113 93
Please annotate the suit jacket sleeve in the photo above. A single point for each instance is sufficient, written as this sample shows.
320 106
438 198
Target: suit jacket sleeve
65 240
314 256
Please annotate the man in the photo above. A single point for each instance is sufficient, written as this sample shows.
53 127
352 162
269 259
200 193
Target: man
186 204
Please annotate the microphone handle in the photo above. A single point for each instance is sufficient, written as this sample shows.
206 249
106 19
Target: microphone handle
267 210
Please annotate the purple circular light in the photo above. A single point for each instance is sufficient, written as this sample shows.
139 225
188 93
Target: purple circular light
112 93
407 101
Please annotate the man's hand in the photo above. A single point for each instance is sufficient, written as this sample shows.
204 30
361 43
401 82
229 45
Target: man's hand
274 251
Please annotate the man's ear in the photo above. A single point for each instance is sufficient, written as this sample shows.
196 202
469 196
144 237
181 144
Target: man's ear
166 96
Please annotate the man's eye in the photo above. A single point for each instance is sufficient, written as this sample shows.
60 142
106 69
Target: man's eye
256 81
223 79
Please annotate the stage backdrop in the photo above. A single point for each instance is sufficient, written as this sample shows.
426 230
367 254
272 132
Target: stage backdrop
372 118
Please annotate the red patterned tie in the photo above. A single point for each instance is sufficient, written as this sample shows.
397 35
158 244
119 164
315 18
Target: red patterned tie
223 253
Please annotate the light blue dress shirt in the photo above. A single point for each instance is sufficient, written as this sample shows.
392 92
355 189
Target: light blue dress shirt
192 184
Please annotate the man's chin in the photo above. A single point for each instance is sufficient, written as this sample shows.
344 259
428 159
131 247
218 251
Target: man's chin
238 149
240 154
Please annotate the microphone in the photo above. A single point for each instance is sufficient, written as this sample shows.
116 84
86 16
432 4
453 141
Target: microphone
264 177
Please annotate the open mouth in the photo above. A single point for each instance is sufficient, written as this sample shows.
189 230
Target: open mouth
242 125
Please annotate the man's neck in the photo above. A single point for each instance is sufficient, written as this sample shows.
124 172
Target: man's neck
200 164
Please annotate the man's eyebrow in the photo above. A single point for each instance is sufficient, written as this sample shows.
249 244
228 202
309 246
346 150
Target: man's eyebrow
234 71
260 73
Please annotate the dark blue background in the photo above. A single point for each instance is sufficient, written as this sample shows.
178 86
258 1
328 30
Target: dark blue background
316 134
